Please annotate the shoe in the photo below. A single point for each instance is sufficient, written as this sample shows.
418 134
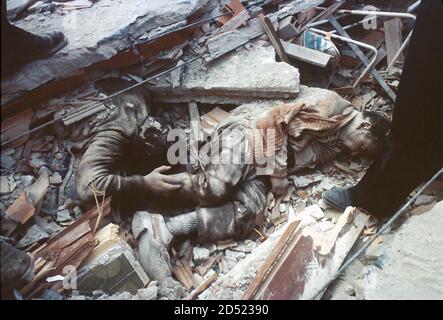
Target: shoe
154 240
16 267
48 44
37 47
338 198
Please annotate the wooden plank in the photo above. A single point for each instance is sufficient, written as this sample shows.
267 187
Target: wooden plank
16 125
210 120
304 54
393 37
307 260
202 287
290 233
194 136
273 37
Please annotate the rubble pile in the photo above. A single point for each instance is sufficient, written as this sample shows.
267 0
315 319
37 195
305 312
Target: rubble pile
223 54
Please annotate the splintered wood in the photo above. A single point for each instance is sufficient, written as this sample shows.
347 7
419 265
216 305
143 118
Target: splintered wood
69 247
183 272
304 260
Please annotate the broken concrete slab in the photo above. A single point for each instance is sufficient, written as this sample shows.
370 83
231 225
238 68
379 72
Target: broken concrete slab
412 262
245 75
90 42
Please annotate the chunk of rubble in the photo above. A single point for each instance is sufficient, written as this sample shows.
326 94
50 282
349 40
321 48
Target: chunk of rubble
423 200
229 80
55 179
149 293
34 234
412 261
63 215
201 254
303 182
7 185
315 211
170 289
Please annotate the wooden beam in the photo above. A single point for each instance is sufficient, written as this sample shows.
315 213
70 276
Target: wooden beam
194 138
202 287
393 37
273 37
304 261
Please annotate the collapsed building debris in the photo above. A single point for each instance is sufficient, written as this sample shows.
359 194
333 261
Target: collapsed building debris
301 261
111 266
229 80
198 63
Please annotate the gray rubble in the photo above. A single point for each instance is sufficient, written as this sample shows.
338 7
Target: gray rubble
229 80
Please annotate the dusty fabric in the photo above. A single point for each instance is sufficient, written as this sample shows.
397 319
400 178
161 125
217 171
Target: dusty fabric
236 218
310 130
114 149
309 127
183 225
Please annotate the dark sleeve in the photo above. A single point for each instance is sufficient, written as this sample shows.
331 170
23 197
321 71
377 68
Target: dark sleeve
103 163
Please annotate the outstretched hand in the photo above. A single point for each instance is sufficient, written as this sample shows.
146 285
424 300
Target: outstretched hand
162 184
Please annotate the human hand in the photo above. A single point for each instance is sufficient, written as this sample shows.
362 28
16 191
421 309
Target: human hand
162 184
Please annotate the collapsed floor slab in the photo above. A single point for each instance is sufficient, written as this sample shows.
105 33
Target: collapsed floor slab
238 77
89 41
411 266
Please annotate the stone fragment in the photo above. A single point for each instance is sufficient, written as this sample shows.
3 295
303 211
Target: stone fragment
201 254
